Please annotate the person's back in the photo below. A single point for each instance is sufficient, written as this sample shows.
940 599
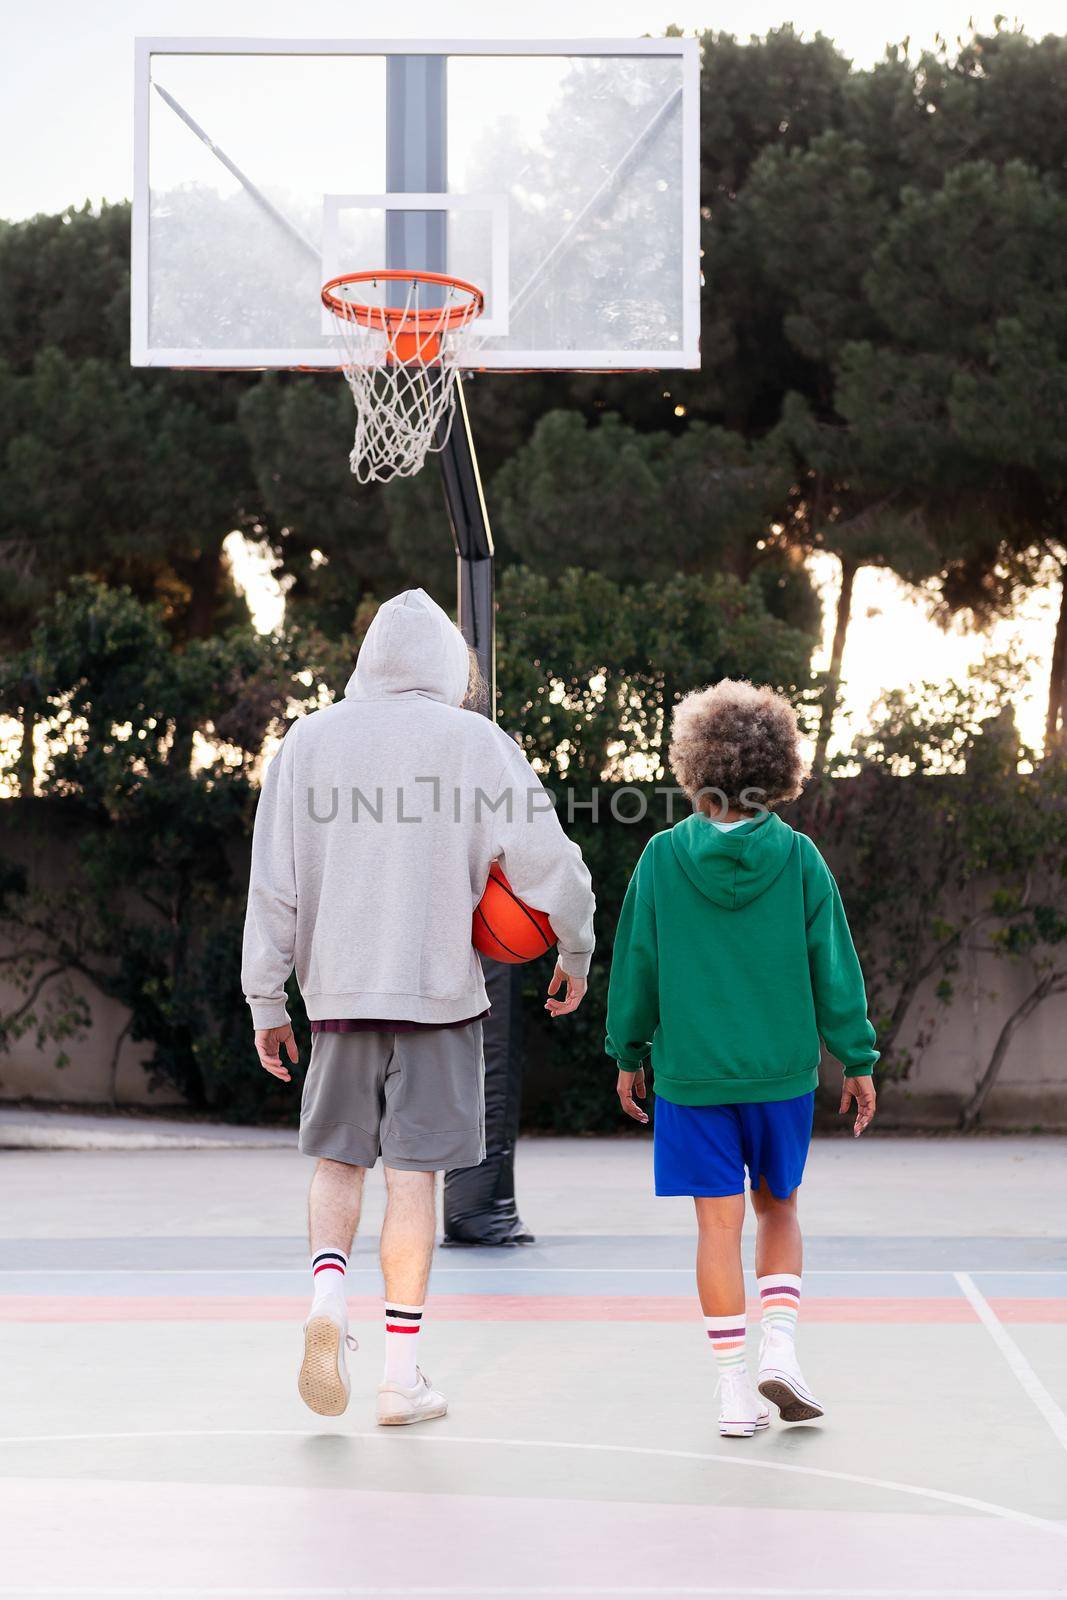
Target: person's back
376 827
377 824
732 964
754 965
385 857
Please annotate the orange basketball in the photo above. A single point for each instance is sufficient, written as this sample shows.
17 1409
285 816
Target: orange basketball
505 928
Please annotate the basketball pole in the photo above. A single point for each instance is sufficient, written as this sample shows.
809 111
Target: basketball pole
472 538
479 1202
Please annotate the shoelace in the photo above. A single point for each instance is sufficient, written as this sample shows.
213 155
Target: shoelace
351 1341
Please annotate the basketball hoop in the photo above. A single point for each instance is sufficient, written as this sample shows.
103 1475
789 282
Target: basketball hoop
400 362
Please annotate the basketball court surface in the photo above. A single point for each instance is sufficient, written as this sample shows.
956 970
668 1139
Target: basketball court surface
153 1442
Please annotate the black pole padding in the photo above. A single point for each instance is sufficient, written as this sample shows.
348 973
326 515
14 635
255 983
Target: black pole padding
472 538
479 1202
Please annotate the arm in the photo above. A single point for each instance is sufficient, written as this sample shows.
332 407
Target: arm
270 919
544 867
841 1003
837 987
633 990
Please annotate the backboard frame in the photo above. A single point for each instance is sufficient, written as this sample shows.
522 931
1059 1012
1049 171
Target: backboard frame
686 354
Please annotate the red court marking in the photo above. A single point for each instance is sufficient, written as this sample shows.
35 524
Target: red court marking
504 1308
499 1308
1030 1310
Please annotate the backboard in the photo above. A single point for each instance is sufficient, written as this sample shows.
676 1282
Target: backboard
561 177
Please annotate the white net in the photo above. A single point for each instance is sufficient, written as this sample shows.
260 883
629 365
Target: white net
400 364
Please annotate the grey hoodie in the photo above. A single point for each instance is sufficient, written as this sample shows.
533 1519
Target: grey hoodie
377 823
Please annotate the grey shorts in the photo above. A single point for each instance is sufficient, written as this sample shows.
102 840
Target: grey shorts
415 1099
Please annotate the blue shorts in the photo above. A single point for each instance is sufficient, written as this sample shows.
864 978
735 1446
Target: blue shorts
704 1150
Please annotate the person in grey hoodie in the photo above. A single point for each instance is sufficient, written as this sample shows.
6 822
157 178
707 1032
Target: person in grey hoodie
377 823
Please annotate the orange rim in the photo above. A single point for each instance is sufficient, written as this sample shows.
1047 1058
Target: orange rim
392 319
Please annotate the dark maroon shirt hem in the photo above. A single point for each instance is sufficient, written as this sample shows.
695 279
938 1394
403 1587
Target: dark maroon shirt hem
387 1024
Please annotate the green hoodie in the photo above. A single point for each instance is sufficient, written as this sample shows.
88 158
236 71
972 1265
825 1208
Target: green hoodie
732 960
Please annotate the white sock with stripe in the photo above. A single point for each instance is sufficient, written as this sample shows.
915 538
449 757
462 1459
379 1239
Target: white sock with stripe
328 1268
402 1324
779 1298
727 1335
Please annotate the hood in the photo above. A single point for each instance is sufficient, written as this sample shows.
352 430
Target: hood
411 647
732 869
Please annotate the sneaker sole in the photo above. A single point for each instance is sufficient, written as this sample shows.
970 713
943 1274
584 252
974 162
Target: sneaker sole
792 1406
403 1419
743 1430
320 1385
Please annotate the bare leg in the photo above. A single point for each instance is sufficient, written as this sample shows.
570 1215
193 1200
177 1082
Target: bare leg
779 1243
720 1280
408 1235
333 1205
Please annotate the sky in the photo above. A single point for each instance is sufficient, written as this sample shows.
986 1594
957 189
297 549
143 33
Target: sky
66 106
66 131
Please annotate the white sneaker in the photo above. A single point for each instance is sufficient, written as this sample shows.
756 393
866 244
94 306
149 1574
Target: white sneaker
782 1382
323 1381
397 1405
741 1411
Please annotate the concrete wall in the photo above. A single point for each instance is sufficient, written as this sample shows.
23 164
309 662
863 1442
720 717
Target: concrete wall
93 1077
1031 1090
43 839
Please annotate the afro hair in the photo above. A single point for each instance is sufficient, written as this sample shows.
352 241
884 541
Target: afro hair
734 739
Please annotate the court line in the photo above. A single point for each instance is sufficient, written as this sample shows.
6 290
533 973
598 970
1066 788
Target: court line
1026 1519
731 1593
1013 1355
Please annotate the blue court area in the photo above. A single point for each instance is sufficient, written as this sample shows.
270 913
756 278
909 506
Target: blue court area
153 1442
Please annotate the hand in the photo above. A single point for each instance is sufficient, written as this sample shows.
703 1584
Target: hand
269 1042
862 1091
629 1085
576 988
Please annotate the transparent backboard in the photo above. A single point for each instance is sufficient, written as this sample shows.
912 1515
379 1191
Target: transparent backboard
560 177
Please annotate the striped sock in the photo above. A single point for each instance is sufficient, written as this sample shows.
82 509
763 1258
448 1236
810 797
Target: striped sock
402 1324
727 1335
779 1298
328 1268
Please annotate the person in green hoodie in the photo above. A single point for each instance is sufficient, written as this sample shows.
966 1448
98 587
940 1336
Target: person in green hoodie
733 964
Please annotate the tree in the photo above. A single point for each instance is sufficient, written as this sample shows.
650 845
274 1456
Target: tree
1022 818
775 93
66 284
910 822
990 97
827 195
330 535
135 476
963 415
589 669
846 506
150 910
639 505
928 434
